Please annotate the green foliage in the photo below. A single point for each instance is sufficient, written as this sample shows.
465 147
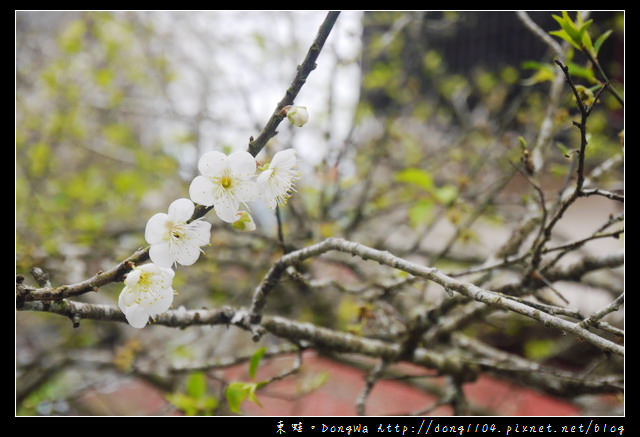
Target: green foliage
196 385
237 392
72 38
542 72
194 401
576 33
254 361
540 349
421 211
446 194
347 313
54 388
417 177
81 160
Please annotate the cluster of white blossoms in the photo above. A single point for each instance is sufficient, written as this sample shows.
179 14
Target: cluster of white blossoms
226 182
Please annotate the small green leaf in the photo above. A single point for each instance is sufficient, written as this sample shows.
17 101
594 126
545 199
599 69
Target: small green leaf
196 385
312 381
585 39
420 213
191 406
183 402
207 404
446 194
539 349
580 71
569 27
602 38
562 148
544 72
565 36
252 395
416 176
255 361
523 143
582 31
568 30
237 392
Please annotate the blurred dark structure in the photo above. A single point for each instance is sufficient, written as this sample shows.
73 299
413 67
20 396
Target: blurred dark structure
467 40
495 38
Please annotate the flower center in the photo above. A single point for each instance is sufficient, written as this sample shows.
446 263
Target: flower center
177 232
225 181
145 281
174 231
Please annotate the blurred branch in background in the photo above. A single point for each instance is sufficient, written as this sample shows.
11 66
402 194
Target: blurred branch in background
448 214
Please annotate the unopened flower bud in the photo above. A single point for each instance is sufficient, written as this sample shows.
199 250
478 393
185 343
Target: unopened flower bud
244 222
297 115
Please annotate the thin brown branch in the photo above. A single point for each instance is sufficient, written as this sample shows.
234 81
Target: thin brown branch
372 378
304 69
605 193
115 274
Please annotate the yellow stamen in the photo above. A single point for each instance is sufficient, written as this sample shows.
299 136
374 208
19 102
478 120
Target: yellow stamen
225 181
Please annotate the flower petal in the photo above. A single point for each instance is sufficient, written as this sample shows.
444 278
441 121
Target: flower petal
285 159
181 210
123 301
156 229
137 316
198 232
186 250
213 163
245 190
166 274
242 163
132 278
161 303
201 191
186 254
160 254
263 177
162 276
270 200
298 115
226 208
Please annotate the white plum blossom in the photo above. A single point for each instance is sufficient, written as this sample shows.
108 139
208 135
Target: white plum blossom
276 182
172 239
297 115
226 182
147 293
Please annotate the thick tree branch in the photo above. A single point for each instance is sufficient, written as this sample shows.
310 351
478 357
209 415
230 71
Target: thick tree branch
455 364
474 292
